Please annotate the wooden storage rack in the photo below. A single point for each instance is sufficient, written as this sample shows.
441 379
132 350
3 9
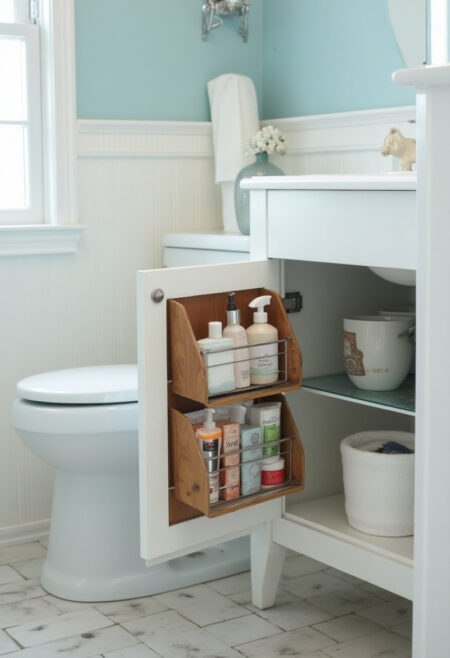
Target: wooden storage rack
188 322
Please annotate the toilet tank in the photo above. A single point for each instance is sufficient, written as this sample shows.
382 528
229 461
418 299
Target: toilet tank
183 249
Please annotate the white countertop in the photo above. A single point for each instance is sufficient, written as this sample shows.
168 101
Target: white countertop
395 181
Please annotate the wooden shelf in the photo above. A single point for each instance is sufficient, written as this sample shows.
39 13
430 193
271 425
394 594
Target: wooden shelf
190 477
188 322
319 528
401 400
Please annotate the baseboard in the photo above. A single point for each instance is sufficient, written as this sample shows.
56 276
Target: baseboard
25 533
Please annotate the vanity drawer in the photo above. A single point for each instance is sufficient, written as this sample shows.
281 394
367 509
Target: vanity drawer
376 228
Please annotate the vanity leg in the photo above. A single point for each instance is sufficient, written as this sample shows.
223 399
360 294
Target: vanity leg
267 559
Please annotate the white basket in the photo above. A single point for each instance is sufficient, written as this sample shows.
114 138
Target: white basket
379 488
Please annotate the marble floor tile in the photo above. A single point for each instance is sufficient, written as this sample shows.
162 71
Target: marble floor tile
30 568
245 598
9 575
7 645
136 651
233 584
290 643
313 585
347 628
345 601
319 612
120 611
20 552
172 636
19 590
379 645
28 610
389 614
202 605
352 580
294 615
56 628
301 565
242 630
86 645
404 629
382 594
66 606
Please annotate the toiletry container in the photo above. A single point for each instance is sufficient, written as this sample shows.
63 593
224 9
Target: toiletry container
251 453
238 335
266 416
264 336
210 437
218 357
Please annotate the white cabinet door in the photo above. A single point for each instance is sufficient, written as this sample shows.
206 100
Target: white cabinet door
159 540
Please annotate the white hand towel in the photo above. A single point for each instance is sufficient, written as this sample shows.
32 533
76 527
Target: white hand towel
234 116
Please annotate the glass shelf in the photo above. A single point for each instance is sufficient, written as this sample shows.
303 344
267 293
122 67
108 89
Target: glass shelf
402 399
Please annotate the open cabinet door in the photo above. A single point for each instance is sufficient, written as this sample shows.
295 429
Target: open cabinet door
162 539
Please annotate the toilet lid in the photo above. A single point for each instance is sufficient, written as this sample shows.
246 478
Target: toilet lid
91 385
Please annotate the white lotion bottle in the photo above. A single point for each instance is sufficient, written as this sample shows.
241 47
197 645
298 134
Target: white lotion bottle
238 335
217 354
263 358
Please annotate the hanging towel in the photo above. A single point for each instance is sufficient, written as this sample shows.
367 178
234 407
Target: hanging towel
234 116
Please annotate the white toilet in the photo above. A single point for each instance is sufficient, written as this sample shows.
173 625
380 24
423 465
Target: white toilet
84 422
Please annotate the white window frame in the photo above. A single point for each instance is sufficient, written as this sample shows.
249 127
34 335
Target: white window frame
29 34
58 231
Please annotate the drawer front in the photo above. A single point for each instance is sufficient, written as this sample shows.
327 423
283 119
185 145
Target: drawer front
375 228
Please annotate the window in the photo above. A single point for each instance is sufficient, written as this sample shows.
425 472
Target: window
21 184
37 127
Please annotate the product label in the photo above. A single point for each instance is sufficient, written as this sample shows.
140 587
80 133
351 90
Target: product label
271 433
264 361
213 487
272 478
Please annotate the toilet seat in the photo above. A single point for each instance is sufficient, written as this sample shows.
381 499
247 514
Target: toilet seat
89 385
91 400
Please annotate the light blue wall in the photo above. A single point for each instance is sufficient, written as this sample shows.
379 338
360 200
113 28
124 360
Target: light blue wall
325 56
145 59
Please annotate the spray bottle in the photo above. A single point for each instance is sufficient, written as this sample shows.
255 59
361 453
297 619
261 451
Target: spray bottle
264 358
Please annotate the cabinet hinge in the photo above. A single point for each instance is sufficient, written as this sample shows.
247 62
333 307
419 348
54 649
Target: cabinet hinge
293 302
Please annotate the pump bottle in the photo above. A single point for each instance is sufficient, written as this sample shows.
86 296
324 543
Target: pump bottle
209 436
238 335
264 358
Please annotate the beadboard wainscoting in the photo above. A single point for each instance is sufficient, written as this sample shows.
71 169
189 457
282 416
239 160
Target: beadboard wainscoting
137 181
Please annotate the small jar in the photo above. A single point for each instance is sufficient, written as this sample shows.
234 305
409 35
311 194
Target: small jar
273 473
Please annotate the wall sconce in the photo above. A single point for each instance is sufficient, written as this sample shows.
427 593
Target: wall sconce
212 10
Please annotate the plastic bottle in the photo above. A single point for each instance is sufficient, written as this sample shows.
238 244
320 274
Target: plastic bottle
251 452
210 437
238 335
218 357
263 359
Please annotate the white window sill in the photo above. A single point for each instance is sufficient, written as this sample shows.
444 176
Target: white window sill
32 240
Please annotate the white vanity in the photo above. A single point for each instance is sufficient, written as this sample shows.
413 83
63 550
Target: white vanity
322 231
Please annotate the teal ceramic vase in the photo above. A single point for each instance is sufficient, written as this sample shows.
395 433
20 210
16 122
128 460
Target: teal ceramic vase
261 167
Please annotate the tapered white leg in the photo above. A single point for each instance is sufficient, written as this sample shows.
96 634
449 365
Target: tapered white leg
267 559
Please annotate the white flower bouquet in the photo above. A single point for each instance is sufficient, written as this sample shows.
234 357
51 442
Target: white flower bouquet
268 140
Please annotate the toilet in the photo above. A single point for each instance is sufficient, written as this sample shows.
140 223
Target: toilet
84 423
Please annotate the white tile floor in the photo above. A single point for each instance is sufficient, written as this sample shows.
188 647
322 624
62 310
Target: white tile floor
319 613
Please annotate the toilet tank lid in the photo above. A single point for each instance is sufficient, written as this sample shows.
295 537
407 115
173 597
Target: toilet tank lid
90 385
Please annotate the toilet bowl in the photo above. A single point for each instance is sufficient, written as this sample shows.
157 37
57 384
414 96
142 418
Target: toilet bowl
84 422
